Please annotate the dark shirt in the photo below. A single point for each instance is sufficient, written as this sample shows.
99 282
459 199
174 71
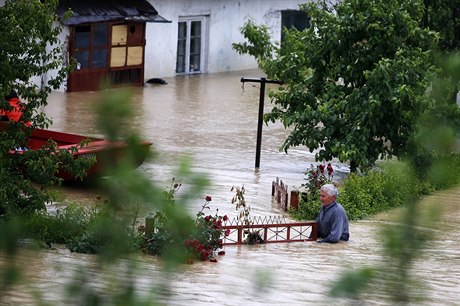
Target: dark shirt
333 223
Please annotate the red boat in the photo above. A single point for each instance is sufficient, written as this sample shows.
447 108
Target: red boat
107 153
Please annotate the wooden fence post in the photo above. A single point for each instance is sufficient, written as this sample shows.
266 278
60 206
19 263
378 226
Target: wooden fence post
294 199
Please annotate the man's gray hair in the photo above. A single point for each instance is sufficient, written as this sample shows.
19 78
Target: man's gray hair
330 190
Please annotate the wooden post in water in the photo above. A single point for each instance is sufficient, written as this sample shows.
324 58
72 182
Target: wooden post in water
262 82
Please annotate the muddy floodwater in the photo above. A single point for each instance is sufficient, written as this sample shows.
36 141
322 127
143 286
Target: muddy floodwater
213 119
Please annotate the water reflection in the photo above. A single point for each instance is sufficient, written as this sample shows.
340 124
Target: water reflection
214 120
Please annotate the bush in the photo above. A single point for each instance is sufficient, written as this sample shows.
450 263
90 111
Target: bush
187 240
307 210
445 172
379 190
362 195
309 204
105 235
70 222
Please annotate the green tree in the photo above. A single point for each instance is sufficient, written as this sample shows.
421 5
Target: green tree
29 48
354 82
443 16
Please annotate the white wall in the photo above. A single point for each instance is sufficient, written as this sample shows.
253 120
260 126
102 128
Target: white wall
226 17
63 42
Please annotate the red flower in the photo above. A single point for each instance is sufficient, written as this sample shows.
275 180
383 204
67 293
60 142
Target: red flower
208 198
329 169
207 218
204 255
321 168
225 218
227 232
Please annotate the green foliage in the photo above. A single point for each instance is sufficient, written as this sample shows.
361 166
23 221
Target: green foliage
352 283
445 172
106 235
201 242
315 178
260 45
378 191
442 16
406 238
310 204
68 223
355 82
29 48
307 210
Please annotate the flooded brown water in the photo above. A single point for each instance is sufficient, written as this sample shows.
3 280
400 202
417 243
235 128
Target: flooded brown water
213 119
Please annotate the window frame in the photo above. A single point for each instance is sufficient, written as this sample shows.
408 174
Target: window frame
92 47
188 20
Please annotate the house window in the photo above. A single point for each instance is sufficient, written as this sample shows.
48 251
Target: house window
91 45
294 19
191 45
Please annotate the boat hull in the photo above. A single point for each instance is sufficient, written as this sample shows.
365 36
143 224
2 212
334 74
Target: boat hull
108 154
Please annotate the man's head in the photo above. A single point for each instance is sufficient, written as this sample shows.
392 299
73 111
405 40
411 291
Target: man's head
328 194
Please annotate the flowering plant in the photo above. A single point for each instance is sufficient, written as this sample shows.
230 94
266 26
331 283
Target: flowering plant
316 177
208 239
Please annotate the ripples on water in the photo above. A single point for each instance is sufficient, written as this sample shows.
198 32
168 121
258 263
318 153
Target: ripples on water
212 119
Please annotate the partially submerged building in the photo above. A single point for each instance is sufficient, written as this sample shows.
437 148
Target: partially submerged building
107 38
129 42
126 42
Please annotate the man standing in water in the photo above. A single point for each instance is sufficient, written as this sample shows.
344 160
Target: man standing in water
332 219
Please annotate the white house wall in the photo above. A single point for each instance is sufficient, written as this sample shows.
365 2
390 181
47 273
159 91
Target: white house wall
226 17
64 44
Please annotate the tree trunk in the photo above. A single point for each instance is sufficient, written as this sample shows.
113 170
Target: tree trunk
353 166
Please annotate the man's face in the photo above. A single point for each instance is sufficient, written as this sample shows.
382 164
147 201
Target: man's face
325 198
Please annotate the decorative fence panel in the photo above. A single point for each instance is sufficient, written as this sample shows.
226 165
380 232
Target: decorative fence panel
270 230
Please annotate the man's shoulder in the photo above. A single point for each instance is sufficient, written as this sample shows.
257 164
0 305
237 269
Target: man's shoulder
339 206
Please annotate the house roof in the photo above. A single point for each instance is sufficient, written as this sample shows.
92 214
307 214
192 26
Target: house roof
88 11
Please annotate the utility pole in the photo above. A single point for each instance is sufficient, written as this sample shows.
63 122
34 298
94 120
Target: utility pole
262 82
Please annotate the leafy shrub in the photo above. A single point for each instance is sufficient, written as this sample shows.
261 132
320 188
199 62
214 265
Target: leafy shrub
309 204
315 178
307 210
198 239
105 235
445 171
69 222
361 194
378 190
